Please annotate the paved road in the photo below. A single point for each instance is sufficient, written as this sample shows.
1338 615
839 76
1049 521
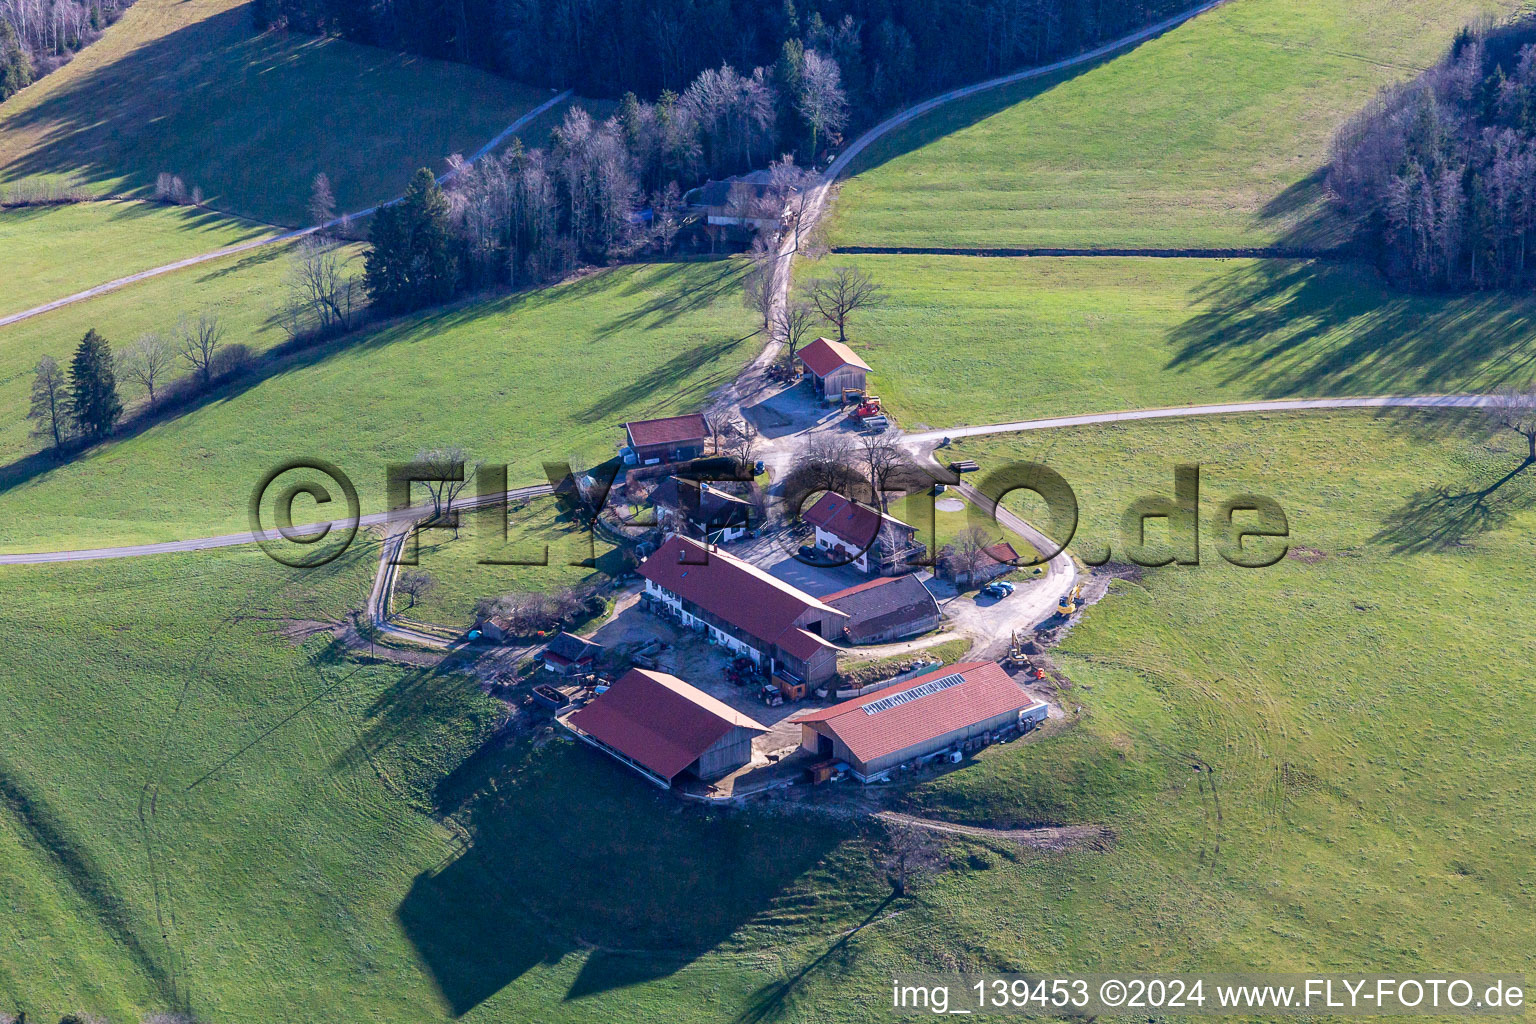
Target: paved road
1186 411
752 376
408 516
287 236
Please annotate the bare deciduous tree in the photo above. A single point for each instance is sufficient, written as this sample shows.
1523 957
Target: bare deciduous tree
837 297
1514 410
758 284
791 188
415 583
147 363
791 324
198 341
967 554
881 456
50 402
821 102
322 296
447 475
322 202
666 216
911 855
739 441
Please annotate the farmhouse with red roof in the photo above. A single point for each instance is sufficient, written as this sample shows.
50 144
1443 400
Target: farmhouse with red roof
833 367
863 536
744 609
662 727
941 710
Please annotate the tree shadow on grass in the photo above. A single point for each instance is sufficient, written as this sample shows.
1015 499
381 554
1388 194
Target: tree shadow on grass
1305 328
769 1000
570 853
1445 518
659 386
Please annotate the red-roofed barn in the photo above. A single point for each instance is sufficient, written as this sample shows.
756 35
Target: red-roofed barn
833 367
662 727
937 711
743 608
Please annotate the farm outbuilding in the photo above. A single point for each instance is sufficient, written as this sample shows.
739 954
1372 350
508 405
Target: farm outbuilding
673 439
940 710
886 609
833 367
662 727
570 655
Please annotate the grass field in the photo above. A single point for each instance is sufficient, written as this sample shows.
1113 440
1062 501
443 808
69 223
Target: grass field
1210 135
522 379
244 291
536 532
47 253
1327 749
202 813
987 340
1366 753
188 87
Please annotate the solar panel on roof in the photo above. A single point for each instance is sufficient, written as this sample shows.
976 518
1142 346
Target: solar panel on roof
916 693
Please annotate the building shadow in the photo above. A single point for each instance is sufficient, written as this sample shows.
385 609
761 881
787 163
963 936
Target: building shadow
567 852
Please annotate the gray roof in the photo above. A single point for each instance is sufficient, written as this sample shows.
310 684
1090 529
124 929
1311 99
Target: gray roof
893 598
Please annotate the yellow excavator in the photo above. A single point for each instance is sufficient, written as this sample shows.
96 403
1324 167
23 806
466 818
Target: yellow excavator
1068 603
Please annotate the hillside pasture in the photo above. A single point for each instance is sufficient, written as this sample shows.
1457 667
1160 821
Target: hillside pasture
1211 135
189 87
49 252
522 379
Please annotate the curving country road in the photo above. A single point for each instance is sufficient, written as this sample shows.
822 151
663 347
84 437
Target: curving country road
923 439
258 243
783 268
1228 408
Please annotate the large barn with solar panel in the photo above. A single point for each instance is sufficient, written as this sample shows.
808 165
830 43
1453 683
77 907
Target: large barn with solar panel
943 710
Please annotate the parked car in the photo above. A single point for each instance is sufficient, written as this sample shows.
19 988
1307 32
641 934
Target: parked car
999 589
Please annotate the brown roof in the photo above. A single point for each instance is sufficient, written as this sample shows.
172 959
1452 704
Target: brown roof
672 430
852 522
658 721
740 593
965 694
824 355
889 596
1001 552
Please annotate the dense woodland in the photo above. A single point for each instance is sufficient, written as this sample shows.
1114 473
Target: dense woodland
37 36
887 50
1443 169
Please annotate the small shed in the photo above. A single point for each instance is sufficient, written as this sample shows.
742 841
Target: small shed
886 609
569 655
833 368
662 727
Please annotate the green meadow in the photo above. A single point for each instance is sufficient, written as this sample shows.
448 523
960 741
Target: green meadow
189 87
965 340
47 253
1211 135
539 554
523 379
1315 765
